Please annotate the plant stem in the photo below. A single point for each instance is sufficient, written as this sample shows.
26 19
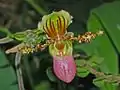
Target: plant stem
39 9
61 85
5 40
19 71
5 30
28 71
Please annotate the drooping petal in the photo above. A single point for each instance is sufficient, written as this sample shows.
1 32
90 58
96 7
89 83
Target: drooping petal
55 24
64 68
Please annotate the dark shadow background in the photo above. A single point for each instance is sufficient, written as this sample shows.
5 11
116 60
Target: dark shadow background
19 15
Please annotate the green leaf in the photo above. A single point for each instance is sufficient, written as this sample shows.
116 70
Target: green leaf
50 74
104 45
88 48
106 17
80 62
95 61
5 30
81 70
98 82
7 74
44 85
111 23
104 85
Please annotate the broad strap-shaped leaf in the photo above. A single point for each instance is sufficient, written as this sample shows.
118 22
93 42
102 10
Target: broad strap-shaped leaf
7 74
106 17
103 18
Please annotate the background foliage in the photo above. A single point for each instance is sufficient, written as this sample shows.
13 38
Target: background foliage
19 15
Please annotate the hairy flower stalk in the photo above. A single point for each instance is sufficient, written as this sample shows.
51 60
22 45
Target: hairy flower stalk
55 26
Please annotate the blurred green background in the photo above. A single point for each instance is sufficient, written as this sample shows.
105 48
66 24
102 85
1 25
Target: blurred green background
19 15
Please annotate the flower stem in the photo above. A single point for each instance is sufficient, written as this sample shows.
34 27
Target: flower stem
62 85
39 9
19 71
28 72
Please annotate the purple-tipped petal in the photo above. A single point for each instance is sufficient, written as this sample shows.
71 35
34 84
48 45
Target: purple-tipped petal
64 68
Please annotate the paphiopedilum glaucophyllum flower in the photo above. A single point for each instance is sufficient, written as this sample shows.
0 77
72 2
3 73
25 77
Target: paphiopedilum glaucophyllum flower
60 43
52 32
55 26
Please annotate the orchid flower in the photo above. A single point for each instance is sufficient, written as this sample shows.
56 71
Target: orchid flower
52 32
60 43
